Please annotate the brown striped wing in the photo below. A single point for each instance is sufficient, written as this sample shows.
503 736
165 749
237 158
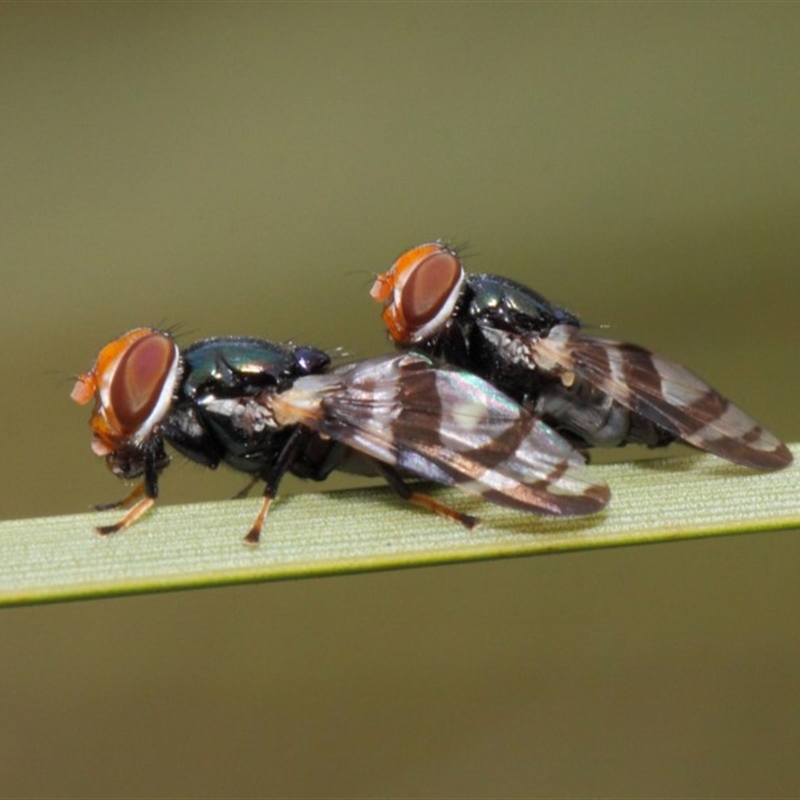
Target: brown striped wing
448 426
664 392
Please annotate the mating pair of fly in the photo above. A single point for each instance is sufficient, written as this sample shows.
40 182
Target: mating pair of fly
495 390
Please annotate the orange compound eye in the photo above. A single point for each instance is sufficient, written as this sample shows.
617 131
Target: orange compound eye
392 280
419 292
132 382
429 288
137 386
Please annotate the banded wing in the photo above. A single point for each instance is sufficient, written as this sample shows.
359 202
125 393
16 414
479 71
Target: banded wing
448 426
664 392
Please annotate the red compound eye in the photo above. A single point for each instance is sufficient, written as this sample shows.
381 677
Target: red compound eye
139 378
429 288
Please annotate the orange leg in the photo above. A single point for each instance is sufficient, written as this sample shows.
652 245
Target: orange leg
254 535
142 507
396 482
428 502
125 502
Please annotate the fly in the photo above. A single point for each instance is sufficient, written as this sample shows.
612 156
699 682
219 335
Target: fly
266 409
594 391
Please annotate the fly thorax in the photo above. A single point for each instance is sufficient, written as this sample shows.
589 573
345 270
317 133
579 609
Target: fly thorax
513 348
250 415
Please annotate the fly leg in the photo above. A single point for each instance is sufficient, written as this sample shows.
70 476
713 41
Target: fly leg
245 490
141 508
148 487
254 534
272 478
138 491
396 482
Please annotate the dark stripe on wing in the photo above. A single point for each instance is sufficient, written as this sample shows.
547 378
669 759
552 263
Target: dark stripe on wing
668 394
443 424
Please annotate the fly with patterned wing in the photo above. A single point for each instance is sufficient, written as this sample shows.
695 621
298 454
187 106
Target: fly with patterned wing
593 391
266 409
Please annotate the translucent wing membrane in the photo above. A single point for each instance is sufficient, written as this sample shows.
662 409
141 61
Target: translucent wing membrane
664 392
447 426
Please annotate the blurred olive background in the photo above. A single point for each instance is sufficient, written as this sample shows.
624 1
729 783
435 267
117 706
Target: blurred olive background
247 168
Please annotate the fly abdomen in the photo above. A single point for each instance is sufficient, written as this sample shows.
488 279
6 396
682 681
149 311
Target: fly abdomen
590 418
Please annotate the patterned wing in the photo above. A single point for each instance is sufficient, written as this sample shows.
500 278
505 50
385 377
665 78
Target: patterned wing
445 425
661 391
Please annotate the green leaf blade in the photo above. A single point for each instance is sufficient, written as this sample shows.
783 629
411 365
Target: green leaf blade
200 545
